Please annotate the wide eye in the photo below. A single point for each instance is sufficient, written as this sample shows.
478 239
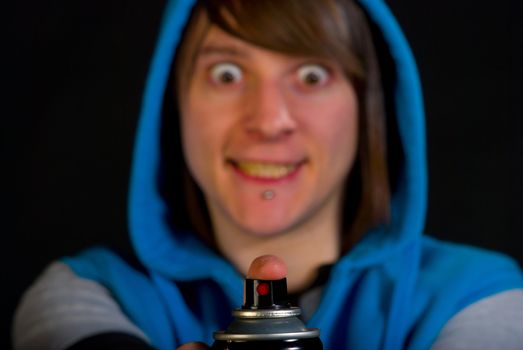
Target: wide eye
313 74
225 73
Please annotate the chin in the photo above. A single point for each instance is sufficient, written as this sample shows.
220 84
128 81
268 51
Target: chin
251 216
264 231
265 226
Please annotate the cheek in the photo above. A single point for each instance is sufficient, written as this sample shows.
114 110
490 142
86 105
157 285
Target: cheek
335 126
195 136
344 137
342 142
204 129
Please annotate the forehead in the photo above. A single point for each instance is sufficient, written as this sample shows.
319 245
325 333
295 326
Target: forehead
219 43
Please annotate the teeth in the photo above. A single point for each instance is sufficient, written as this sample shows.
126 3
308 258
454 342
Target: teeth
265 170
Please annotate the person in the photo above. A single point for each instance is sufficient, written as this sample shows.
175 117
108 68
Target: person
289 128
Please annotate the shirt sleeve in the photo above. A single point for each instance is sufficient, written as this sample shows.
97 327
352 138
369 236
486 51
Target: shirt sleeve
495 322
61 309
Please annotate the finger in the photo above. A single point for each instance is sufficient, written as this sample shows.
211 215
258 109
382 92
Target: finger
267 267
194 346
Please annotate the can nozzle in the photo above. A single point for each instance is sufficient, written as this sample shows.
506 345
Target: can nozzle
266 320
265 294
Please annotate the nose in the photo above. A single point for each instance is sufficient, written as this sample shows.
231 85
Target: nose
268 114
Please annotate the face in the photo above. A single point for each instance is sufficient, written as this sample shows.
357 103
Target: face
254 120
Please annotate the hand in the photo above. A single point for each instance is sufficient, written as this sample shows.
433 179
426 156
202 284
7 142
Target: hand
194 346
265 267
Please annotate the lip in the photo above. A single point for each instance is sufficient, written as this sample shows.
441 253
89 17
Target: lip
289 174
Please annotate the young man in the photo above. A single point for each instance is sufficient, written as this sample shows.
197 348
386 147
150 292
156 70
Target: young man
292 128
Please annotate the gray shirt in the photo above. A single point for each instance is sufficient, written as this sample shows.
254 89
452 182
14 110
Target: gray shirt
62 308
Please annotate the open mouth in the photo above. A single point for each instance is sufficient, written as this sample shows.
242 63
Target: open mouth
265 170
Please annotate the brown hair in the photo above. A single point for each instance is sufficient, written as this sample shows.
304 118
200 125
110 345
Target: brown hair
333 29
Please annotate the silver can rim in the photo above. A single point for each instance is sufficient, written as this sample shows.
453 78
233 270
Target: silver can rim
267 313
309 333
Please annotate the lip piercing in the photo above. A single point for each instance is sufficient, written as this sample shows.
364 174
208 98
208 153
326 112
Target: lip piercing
268 194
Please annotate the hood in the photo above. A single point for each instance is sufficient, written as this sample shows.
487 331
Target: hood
181 255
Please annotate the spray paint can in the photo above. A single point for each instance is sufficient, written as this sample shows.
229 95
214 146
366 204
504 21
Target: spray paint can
267 321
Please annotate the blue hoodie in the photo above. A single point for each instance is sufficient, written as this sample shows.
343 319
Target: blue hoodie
395 289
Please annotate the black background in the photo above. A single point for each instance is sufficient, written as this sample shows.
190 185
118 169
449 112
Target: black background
73 80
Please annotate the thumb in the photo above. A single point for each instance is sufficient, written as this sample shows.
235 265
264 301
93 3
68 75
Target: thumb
267 267
194 346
